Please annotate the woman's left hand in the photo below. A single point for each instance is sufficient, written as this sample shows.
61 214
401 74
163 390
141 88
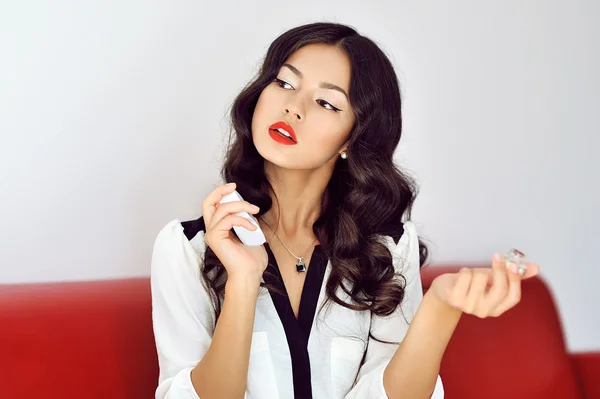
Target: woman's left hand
483 292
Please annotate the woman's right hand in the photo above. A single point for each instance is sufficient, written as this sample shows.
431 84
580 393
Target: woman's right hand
245 262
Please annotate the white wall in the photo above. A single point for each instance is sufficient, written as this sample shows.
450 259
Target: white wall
112 117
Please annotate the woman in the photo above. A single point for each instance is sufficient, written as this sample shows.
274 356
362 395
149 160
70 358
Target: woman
332 305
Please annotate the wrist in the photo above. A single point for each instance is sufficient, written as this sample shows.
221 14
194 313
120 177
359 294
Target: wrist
243 284
438 304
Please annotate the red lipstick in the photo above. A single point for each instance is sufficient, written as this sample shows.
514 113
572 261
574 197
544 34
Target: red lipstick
283 133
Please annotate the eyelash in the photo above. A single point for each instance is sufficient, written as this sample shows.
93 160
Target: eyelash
322 103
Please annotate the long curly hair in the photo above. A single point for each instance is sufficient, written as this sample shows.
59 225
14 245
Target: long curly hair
366 192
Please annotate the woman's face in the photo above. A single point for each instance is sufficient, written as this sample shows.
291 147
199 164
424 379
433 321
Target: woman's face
310 97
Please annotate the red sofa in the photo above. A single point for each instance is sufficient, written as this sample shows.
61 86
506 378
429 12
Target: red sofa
94 340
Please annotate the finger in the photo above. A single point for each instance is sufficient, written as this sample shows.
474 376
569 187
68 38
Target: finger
499 288
231 208
211 202
533 269
222 230
498 261
234 220
513 295
477 289
461 287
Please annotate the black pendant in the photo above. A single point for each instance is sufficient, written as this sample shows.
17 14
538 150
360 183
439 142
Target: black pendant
300 266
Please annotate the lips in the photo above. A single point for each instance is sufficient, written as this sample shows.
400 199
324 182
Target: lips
278 131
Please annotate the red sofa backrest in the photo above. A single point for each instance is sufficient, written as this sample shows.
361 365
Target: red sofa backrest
95 340
520 355
77 340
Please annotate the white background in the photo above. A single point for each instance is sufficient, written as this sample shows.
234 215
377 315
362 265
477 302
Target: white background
113 115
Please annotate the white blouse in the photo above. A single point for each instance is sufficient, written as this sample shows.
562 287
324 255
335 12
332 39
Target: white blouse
323 354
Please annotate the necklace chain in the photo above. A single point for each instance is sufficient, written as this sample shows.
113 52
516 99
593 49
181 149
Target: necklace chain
300 266
289 250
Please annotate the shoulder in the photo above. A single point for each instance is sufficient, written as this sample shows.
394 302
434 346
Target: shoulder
179 245
178 291
403 243
191 228
393 229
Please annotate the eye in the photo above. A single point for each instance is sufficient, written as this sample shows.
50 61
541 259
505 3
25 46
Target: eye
283 84
326 105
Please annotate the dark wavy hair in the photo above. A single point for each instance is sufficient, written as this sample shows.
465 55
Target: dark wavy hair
366 192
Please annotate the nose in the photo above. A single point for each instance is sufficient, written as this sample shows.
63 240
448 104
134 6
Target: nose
293 111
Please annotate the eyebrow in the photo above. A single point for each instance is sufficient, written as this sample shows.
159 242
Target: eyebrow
323 85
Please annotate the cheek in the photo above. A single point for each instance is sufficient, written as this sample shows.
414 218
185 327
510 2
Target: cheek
264 108
268 99
328 131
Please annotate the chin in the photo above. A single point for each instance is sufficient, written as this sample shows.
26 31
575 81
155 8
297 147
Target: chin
279 160
284 157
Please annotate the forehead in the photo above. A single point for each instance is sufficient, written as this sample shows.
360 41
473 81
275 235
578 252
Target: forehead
322 62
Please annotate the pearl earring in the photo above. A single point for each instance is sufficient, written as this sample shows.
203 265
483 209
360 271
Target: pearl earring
344 155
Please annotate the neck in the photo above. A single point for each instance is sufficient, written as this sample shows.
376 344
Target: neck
297 196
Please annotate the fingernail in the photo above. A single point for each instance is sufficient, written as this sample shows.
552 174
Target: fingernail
513 268
255 208
230 184
498 257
